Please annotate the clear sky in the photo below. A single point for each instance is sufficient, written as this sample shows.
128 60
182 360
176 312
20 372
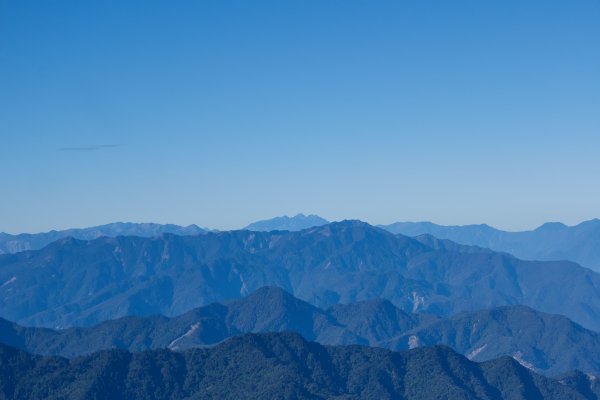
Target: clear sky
223 112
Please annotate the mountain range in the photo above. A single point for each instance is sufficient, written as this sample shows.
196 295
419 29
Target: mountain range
281 365
551 241
34 241
546 343
73 282
10 243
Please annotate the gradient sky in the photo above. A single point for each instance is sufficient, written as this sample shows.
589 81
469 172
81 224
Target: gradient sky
223 112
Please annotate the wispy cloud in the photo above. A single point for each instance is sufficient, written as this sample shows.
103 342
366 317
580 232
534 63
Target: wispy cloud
89 148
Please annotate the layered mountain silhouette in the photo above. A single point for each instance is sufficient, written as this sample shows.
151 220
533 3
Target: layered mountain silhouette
546 343
551 241
34 241
74 282
280 365
285 223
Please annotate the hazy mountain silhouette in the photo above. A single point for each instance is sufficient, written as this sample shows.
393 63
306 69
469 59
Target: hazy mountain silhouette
285 223
34 241
551 241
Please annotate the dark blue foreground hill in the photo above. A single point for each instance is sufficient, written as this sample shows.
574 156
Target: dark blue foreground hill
284 365
73 282
550 344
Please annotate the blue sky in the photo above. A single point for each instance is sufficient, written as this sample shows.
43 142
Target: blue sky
223 112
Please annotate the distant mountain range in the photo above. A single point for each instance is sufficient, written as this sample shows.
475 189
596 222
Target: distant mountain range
551 241
285 223
74 282
34 241
546 343
281 365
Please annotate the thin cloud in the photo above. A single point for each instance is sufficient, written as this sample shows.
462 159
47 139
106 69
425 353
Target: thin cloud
89 148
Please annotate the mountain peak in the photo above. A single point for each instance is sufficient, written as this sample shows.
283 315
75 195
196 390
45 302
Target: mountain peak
285 223
272 309
351 223
551 227
346 226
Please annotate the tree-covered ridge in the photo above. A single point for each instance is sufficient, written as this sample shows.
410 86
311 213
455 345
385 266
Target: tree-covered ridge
550 344
279 366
